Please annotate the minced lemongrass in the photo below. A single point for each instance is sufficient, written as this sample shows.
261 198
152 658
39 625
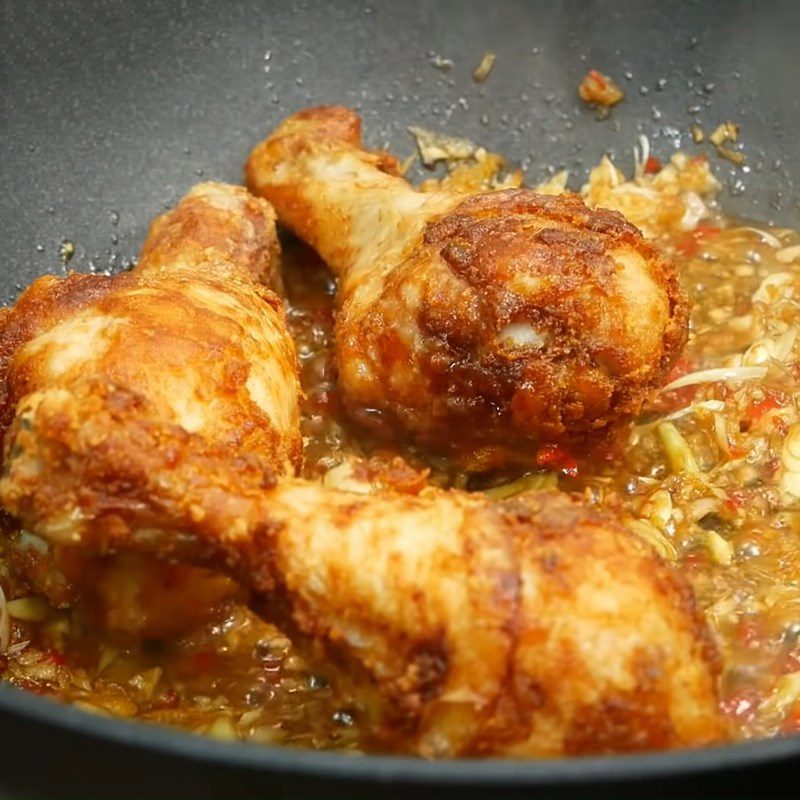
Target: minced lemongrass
222 728
434 147
640 156
786 693
650 534
679 454
659 507
788 254
790 462
527 483
5 622
771 286
90 708
481 72
17 647
704 405
721 433
716 375
719 548
28 609
555 185
778 348
766 237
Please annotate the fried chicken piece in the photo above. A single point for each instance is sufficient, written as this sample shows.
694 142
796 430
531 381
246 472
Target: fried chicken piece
192 330
533 626
479 325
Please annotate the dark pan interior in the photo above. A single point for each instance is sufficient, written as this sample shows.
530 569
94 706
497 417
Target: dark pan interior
109 111
57 751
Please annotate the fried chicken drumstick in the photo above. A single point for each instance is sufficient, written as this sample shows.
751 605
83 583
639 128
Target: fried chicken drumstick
526 627
531 626
192 329
479 325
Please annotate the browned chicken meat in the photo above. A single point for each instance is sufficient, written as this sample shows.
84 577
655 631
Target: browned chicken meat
153 426
530 626
480 325
192 330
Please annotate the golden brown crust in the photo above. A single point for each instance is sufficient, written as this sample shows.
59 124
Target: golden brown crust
47 301
176 329
333 127
191 332
531 626
591 374
512 318
566 543
221 223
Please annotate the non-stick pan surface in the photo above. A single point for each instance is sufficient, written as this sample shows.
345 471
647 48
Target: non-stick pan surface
109 111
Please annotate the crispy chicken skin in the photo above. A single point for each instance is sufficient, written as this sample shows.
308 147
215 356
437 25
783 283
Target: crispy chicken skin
509 317
192 330
527 627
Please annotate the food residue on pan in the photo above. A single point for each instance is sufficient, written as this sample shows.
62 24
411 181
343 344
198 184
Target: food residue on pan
724 133
601 91
481 72
66 250
435 147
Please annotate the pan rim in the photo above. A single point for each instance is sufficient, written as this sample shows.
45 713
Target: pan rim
391 768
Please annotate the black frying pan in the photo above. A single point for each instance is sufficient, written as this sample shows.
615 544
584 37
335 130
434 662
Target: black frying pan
109 111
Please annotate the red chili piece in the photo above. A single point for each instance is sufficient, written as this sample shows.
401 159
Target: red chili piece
690 244
554 457
652 165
